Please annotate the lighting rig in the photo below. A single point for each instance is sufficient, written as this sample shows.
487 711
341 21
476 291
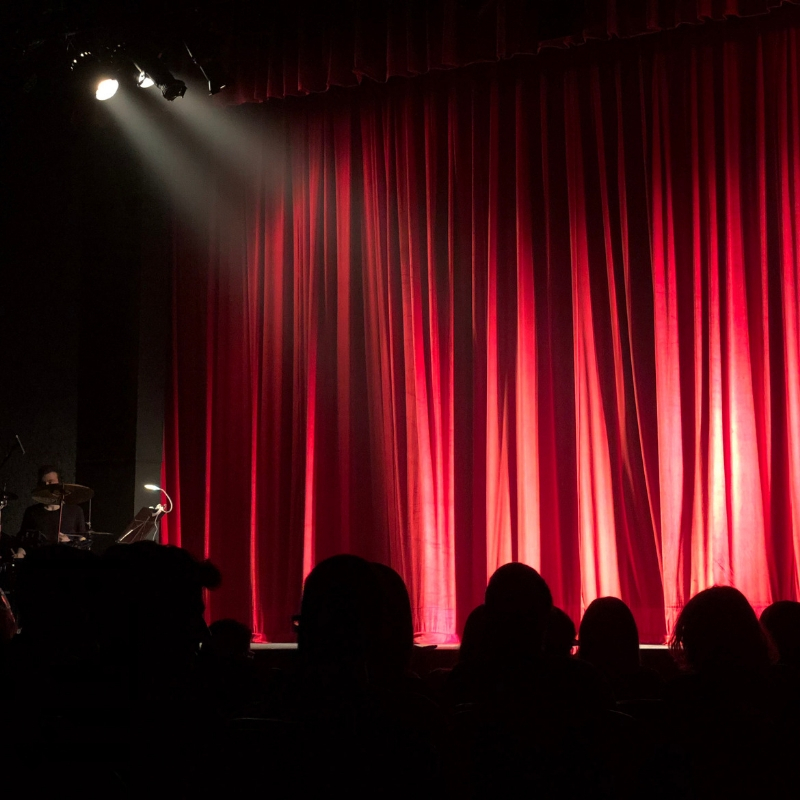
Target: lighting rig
104 68
100 47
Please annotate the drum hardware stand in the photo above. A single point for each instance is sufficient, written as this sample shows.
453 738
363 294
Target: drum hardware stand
62 491
60 514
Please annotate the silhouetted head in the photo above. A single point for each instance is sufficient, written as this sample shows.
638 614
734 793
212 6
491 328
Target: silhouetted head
229 639
608 637
153 599
397 625
474 636
341 614
718 629
520 590
518 603
559 638
782 621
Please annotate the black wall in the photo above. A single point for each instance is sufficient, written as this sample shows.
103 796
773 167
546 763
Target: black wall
83 307
39 291
124 326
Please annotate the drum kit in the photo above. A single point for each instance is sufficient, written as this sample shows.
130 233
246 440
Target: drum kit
62 494
145 526
54 494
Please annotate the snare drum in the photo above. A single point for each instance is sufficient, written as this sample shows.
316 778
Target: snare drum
80 541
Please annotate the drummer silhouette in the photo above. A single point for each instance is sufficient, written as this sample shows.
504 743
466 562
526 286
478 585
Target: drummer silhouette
44 516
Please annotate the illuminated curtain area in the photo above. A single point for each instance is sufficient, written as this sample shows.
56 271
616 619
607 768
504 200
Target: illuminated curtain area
545 310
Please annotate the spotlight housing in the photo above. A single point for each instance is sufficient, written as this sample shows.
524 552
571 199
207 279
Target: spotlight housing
152 71
172 88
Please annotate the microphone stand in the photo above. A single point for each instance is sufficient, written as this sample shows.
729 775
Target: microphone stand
10 453
60 513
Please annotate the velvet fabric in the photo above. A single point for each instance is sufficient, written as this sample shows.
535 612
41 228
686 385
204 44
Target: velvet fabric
542 310
296 48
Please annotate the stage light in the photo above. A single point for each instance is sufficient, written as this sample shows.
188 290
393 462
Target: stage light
172 88
152 71
98 71
106 89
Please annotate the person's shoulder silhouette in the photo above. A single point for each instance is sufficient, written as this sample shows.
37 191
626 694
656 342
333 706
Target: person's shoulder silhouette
782 622
726 707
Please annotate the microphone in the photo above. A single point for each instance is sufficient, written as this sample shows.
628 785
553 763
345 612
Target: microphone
20 445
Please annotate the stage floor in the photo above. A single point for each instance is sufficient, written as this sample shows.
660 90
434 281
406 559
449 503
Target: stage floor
283 655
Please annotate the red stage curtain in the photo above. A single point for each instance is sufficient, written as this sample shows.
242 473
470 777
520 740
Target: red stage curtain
297 48
544 310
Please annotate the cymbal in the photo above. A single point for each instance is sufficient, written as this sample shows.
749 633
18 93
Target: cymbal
71 493
7 497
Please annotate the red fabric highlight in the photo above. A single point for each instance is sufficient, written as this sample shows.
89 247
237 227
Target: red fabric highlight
541 311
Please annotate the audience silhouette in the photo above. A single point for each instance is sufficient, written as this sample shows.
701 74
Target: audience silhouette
782 622
559 638
353 710
609 640
392 666
731 712
113 659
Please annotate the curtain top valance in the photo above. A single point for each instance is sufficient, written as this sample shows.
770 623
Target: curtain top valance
290 50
